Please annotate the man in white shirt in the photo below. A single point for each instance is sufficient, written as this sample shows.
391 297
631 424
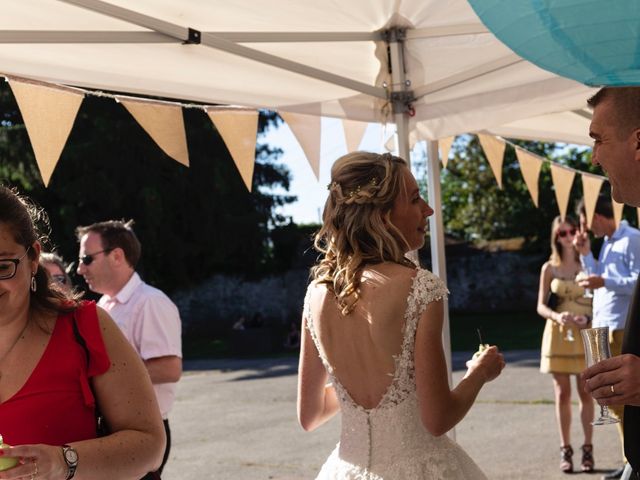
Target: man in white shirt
109 253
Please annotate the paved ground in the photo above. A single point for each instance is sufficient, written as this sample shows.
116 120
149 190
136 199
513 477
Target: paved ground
235 419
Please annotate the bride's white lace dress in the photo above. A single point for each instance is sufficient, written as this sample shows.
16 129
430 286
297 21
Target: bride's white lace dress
389 441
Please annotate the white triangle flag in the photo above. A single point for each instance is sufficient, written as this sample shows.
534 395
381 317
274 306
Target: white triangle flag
238 128
530 166
562 181
494 151
306 129
48 114
617 211
164 124
353 133
591 186
445 147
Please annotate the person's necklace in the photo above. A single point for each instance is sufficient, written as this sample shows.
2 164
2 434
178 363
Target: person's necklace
15 342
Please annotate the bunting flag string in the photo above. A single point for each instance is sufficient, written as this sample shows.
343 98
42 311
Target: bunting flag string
49 112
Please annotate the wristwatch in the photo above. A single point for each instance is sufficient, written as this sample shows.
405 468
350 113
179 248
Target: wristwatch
70 456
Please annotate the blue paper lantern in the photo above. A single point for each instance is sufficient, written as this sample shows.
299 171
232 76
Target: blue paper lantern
596 42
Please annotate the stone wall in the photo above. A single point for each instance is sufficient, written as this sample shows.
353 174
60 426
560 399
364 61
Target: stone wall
479 281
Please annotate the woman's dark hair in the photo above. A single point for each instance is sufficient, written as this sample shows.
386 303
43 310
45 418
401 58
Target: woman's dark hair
29 224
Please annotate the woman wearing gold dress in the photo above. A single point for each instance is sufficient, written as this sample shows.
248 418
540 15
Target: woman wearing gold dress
566 308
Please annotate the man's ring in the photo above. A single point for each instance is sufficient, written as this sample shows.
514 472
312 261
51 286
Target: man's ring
613 390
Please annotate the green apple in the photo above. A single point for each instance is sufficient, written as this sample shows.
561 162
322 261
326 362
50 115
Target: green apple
6 462
481 348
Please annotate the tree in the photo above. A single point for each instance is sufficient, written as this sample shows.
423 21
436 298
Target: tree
476 208
192 222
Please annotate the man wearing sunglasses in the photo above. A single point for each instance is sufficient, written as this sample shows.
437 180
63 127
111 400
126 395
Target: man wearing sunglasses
109 253
611 278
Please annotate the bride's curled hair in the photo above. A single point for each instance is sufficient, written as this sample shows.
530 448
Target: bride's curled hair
356 227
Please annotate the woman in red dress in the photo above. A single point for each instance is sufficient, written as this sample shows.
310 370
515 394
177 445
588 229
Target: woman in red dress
59 357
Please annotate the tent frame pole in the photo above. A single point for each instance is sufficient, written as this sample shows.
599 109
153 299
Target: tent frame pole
191 36
436 227
401 97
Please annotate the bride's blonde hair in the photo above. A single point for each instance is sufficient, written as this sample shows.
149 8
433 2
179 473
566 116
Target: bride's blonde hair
356 226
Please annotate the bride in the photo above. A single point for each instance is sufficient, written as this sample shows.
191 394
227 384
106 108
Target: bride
372 342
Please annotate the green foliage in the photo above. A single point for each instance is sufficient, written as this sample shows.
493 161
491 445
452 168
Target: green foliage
192 222
476 208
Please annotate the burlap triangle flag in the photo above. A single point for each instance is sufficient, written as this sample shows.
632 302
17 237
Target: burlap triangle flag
48 114
530 166
591 186
306 129
164 124
445 147
238 128
617 211
562 181
353 133
494 151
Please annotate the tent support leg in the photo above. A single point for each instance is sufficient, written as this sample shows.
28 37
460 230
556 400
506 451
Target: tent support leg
438 261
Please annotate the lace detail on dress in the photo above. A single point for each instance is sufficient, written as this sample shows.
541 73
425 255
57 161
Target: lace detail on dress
389 442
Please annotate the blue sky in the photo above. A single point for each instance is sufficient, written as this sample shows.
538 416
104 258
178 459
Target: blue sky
312 193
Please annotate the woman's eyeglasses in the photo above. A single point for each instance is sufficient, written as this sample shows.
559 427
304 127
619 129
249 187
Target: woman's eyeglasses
564 233
9 266
89 258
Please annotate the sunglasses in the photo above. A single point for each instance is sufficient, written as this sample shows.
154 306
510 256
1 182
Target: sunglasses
564 233
59 279
89 258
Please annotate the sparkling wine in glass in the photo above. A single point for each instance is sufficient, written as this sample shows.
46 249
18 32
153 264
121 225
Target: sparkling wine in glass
596 348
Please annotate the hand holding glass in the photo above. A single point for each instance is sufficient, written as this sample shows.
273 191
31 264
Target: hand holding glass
596 348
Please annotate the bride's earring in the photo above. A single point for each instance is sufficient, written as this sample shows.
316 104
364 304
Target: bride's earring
34 285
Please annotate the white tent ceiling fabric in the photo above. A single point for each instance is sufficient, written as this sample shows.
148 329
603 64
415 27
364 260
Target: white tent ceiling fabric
464 78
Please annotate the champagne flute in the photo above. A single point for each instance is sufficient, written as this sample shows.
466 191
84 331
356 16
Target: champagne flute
596 348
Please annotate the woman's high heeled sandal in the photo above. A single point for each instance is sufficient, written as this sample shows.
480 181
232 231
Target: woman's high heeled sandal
587 463
566 459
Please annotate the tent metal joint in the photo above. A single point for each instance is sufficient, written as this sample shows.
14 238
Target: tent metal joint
194 38
395 34
402 100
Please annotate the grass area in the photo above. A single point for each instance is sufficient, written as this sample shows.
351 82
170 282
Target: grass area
509 331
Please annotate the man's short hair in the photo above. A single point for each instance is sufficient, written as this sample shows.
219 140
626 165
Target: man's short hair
604 207
116 234
626 105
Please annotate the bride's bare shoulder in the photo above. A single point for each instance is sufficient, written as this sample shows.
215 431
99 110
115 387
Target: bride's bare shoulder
389 275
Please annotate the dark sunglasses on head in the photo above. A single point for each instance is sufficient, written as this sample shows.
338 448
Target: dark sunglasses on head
564 233
89 258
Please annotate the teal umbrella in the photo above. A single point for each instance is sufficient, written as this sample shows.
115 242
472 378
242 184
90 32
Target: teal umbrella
596 42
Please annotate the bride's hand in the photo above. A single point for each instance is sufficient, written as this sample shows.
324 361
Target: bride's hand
489 364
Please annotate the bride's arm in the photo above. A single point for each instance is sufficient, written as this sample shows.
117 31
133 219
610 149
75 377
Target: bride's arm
441 408
317 400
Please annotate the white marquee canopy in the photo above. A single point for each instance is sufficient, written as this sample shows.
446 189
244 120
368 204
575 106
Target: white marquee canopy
328 58
429 66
